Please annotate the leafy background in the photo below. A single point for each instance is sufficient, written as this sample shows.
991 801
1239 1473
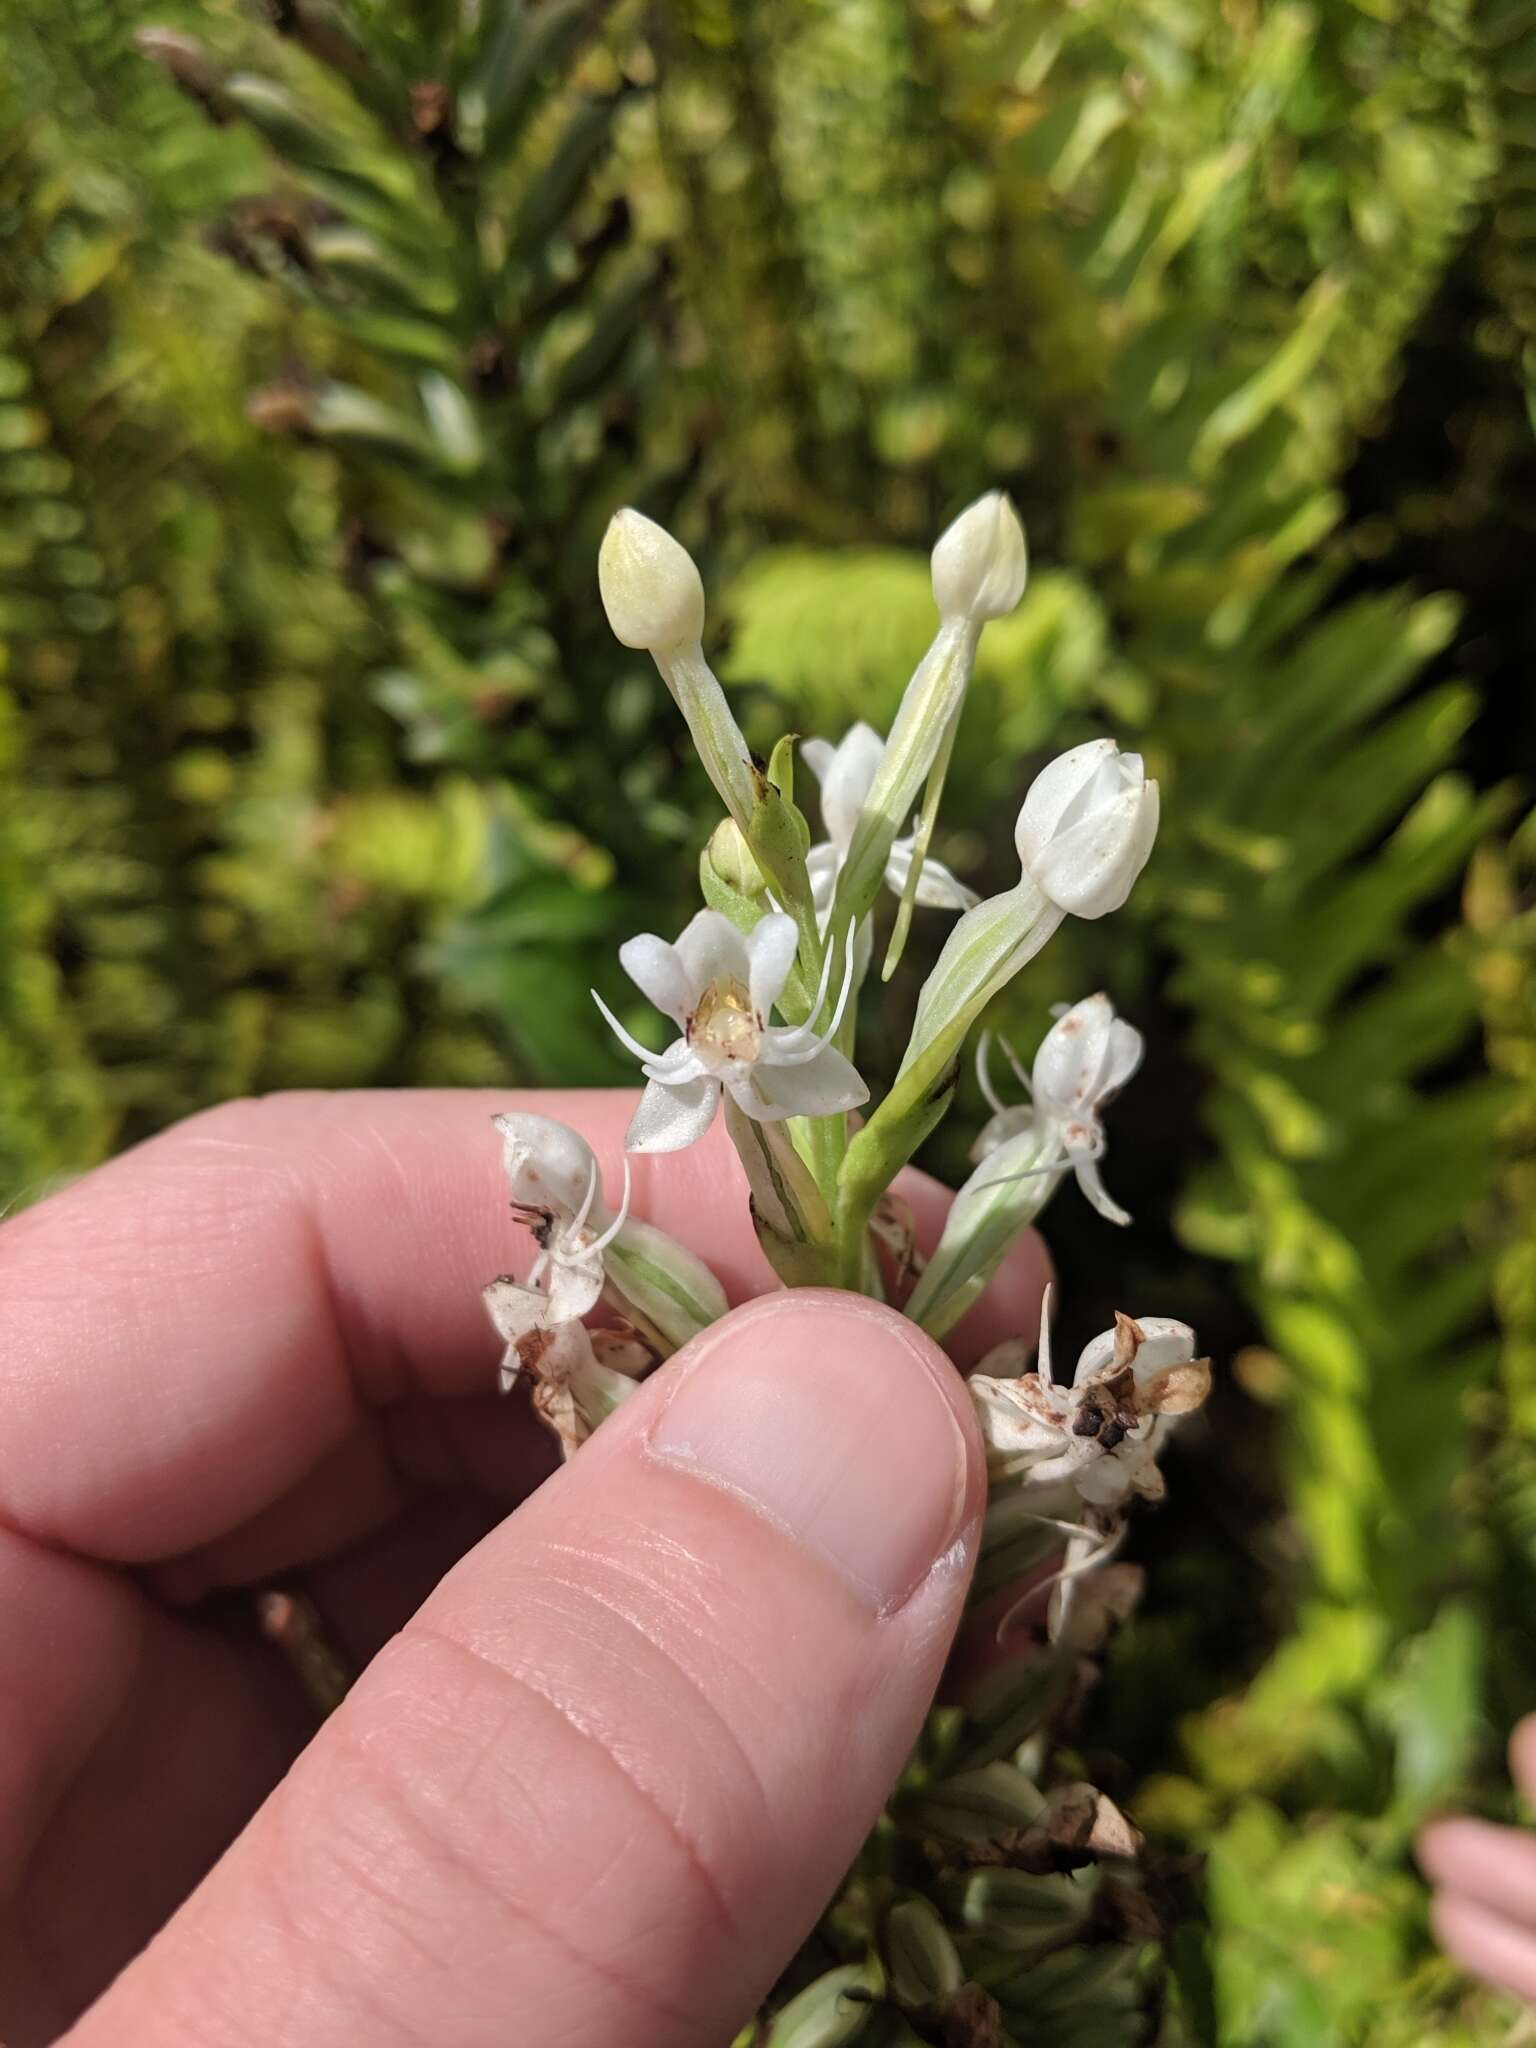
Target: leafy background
330 334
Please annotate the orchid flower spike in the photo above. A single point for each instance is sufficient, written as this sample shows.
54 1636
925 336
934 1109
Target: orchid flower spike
846 772
1084 1060
719 986
1087 827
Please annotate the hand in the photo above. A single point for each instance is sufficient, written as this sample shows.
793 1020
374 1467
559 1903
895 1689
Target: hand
1484 1908
594 1784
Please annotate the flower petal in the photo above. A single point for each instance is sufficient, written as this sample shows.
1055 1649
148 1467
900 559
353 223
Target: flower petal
658 972
1072 1055
1086 1166
937 888
709 945
819 1086
847 779
771 946
673 1115
548 1166
1053 789
1089 868
821 866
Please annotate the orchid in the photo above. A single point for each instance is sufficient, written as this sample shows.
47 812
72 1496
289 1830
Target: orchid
846 772
1099 1436
719 986
762 988
1084 1060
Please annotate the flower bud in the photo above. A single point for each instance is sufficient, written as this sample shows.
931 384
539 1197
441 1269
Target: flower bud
922 1964
973 1806
835 2009
731 859
548 1165
1086 828
650 584
1010 1910
979 563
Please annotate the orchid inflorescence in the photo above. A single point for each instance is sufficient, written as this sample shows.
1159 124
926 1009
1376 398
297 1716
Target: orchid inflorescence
761 989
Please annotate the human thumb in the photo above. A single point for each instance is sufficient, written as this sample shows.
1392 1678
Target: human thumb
602 1784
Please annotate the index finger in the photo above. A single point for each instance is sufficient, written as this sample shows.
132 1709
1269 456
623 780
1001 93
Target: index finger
189 1330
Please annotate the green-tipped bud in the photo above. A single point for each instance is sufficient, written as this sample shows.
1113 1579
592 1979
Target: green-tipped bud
835 2009
650 585
731 859
973 1806
922 1964
980 563
1017 1912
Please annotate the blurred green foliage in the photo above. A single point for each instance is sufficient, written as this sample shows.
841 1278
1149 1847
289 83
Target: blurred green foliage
331 333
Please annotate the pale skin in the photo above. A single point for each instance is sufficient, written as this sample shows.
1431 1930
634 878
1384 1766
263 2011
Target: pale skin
612 1746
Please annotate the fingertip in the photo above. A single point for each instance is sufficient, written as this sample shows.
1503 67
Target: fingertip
1522 1756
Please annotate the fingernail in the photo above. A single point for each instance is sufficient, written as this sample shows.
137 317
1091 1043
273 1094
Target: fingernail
828 1414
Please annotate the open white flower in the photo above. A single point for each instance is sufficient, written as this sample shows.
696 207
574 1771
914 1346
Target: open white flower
1084 1060
719 986
846 772
1087 826
1100 1436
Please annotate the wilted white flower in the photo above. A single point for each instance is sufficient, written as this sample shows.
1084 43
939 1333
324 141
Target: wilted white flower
657 1284
846 772
579 1375
650 584
1084 1060
1099 1436
979 562
719 986
1087 827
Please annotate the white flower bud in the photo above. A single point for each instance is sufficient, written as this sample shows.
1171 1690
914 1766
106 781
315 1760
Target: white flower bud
733 861
548 1165
980 564
1087 827
650 584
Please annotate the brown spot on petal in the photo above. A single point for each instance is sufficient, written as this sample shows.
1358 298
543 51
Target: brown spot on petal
1179 1390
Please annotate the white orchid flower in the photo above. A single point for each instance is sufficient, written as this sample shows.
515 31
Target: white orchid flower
655 1283
557 1191
846 772
1086 828
1099 1436
1084 1060
719 986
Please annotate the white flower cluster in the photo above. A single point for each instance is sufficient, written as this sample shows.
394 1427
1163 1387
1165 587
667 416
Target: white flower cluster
761 989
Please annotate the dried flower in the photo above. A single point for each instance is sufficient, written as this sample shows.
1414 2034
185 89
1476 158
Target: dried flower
1087 826
845 772
579 1376
1099 1436
719 986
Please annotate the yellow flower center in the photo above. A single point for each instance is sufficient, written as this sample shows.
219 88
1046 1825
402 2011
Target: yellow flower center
725 1026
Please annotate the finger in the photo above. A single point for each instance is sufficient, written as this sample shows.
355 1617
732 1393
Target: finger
1493 1865
208 1318
607 1777
1522 1757
1485 1943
